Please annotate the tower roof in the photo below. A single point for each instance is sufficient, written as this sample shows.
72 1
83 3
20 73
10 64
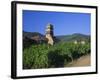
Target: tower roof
50 26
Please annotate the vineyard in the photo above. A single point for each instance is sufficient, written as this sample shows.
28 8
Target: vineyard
58 55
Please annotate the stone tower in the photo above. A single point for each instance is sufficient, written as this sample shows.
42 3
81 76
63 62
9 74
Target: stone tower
50 34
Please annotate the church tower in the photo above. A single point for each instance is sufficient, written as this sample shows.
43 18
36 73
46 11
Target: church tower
50 34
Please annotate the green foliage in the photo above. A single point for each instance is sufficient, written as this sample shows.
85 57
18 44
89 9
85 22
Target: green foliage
46 56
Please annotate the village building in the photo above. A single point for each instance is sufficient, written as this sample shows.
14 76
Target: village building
75 42
82 42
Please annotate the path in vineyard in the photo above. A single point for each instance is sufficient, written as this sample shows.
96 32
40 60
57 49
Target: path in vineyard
82 61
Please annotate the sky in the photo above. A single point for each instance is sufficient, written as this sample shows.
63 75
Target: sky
64 23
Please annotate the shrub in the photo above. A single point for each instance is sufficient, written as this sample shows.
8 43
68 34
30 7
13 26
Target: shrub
45 56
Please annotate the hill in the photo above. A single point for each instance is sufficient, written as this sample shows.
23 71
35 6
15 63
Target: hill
31 34
30 38
73 37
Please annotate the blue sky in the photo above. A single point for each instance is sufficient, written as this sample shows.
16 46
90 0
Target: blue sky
64 22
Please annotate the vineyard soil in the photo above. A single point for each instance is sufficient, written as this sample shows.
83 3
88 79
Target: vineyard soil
82 61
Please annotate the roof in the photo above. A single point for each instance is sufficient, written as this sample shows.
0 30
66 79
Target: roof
49 26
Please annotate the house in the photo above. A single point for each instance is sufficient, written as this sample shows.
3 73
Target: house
82 42
75 42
